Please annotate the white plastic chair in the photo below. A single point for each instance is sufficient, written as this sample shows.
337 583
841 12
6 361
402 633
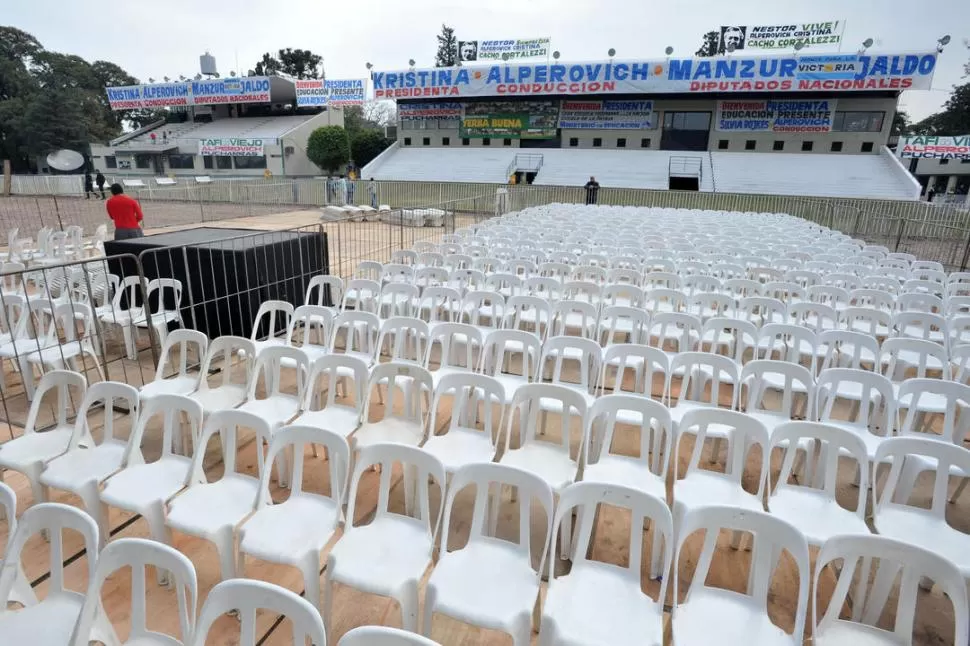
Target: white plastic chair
182 382
360 330
910 563
29 453
603 603
126 307
389 555
789 379
20 592
711 615
62 345
383 636
491 582
871 416
310 330
145 488
277 407
89 462
811 504
341 418
461 442
894 517
295 531
50 621
362 295
161 316
457 344
270 325
404 339
501 348
325 291
211 510
246 597
405 426
232 386
550 460
138 554
646 472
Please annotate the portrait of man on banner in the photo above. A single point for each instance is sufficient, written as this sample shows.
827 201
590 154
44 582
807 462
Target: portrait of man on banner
732 38
468 50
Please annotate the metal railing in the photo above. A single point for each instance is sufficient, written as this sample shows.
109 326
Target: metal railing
685 166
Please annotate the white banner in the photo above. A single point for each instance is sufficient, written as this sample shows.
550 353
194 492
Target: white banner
785 73
232 147
815 115
331 92
741 37
606 115
249 89
498 50
934 147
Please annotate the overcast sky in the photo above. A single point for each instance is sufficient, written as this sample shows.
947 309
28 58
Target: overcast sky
151 39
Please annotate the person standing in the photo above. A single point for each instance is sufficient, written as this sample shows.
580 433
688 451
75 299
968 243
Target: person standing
100 180
930 193
351 188
341 190
372 189
154 138
592 188
125 212
88 186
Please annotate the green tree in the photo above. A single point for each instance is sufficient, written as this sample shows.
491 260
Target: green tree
329 147
295 63
366 145
902 126
953 119
711 44
447 55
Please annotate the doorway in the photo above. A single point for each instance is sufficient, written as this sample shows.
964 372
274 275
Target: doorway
686 131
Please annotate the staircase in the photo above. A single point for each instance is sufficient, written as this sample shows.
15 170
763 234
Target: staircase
528 163
684 173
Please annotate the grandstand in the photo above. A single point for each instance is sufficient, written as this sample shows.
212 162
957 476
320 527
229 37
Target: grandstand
831 175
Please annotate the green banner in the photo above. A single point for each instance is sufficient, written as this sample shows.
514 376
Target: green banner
507 126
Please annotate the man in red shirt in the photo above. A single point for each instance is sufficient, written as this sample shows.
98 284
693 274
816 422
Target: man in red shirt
125 212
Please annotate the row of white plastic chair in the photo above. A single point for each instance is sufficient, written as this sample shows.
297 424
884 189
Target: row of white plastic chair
65 617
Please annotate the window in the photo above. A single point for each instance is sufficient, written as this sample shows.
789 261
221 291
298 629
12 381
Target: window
778 145
425 124
944 162
426 141
448 124
245 163
143 161
597 142
465 141
506 142
408 124
858 121
110 161
722 144
836 146
486 142
207 161
645 143
181 161
223 162
621 142
573 142
962 161
866 146
446 141
750 144
407 141
807 146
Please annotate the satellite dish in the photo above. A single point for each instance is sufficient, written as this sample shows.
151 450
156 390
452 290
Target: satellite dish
65 160
151 80
945 40
867 43
799 45
556 54
505 56
411 62
612 52
669 50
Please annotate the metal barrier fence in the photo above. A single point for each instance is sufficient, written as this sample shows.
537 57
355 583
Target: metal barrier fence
91 315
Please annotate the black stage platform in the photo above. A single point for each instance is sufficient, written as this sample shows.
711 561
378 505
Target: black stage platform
226 273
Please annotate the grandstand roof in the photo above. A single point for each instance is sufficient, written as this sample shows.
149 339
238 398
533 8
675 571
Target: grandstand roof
248 127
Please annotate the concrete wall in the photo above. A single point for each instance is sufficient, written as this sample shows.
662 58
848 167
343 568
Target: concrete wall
735 141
